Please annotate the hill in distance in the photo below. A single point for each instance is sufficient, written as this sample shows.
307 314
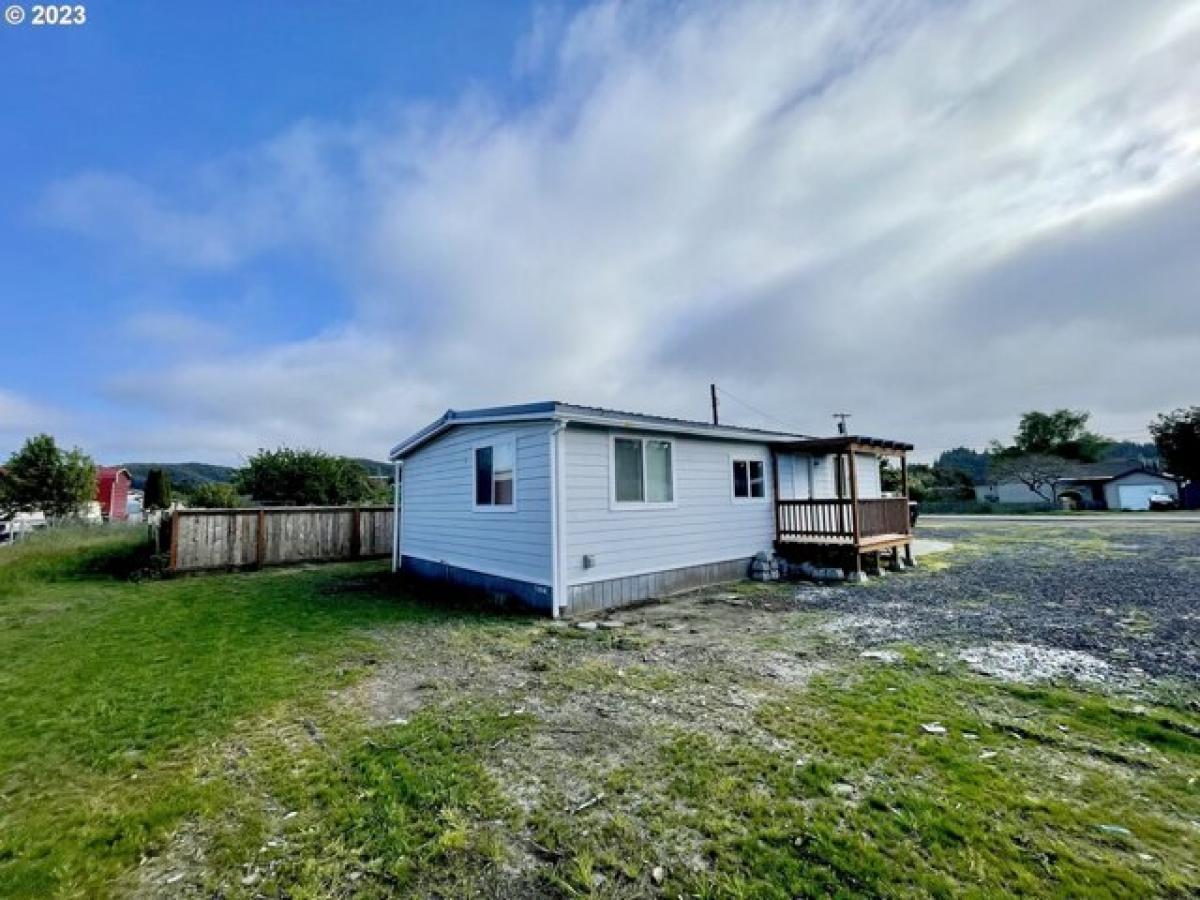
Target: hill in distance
183 475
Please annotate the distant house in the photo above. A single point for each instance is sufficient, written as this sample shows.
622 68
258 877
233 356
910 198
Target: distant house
112 492
571 508
1116 484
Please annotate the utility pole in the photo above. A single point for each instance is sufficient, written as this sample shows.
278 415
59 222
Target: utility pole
841 417
712 389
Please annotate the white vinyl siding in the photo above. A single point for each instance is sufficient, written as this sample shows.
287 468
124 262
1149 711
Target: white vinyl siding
804 477
700 526
870 485
441 522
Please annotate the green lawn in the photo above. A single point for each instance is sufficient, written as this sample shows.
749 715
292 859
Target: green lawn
204 734
113 692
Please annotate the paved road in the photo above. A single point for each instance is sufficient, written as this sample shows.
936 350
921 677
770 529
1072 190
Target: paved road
1188 518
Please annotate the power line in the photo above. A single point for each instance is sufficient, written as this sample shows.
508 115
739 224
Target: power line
753 408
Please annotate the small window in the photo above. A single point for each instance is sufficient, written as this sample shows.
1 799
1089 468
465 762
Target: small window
643 471
748 482
495 467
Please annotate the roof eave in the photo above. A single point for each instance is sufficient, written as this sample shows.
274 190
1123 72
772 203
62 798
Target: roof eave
449 419
566 413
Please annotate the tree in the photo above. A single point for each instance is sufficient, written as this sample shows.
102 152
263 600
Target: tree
929 483
157 492
214 496
1136 452
303 478
964 459
1060 433
1177 436
40 476
1039 472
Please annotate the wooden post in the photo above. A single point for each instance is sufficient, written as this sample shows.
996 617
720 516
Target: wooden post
839 488
712 389
356 533
856 526
175 539
775 489
260 551
908 551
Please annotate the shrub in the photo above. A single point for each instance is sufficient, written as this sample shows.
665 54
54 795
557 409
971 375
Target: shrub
214 496
304 478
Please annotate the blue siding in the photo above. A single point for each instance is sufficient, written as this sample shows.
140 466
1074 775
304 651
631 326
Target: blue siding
438 520
703 526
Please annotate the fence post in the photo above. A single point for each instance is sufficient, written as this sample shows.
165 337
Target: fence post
174 520
260 550
356 533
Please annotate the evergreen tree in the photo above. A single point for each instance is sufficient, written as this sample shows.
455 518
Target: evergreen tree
157 490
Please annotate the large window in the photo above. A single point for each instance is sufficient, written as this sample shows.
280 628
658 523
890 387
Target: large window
748 483
642 471
495 476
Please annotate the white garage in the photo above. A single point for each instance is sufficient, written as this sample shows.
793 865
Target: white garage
1133 490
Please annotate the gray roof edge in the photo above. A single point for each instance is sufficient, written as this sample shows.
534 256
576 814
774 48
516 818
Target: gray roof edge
552 409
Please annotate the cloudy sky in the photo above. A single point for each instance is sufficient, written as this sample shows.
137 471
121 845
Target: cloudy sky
228 225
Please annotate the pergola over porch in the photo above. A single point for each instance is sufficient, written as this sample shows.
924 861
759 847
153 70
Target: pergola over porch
861 525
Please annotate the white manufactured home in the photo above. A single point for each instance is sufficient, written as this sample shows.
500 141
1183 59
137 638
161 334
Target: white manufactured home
570 509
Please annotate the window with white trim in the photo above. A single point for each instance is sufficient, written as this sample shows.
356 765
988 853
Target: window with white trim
749 479
643 470
495 475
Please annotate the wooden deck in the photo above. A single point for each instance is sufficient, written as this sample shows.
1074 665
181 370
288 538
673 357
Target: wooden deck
863 523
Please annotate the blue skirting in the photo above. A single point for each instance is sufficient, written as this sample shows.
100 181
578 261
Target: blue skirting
525 594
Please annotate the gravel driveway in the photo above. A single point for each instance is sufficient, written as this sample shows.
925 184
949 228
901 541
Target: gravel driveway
1126 594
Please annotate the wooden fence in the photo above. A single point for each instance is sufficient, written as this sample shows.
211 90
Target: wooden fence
203 539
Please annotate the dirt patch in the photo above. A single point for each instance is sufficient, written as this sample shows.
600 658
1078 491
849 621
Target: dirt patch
1029 664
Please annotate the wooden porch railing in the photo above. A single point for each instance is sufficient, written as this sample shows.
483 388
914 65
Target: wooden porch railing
832 521
886 516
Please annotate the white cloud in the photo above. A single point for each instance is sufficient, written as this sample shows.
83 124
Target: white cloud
21 418
18 412
807 202
171 328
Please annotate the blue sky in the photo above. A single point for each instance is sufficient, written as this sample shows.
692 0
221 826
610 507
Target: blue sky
150 88
230 225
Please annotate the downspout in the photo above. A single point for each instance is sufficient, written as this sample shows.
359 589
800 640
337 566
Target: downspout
557 588
396 516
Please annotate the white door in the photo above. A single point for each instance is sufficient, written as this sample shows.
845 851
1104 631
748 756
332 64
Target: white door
1136 496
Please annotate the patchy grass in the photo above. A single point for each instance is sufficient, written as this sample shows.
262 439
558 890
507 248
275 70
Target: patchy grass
215 737
399 808
110 690
1031 792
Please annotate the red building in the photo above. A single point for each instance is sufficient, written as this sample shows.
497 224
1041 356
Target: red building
112 492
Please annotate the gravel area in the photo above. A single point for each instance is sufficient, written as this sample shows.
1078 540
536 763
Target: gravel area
1120 597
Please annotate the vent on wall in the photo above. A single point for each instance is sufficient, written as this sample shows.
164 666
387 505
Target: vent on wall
589 561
